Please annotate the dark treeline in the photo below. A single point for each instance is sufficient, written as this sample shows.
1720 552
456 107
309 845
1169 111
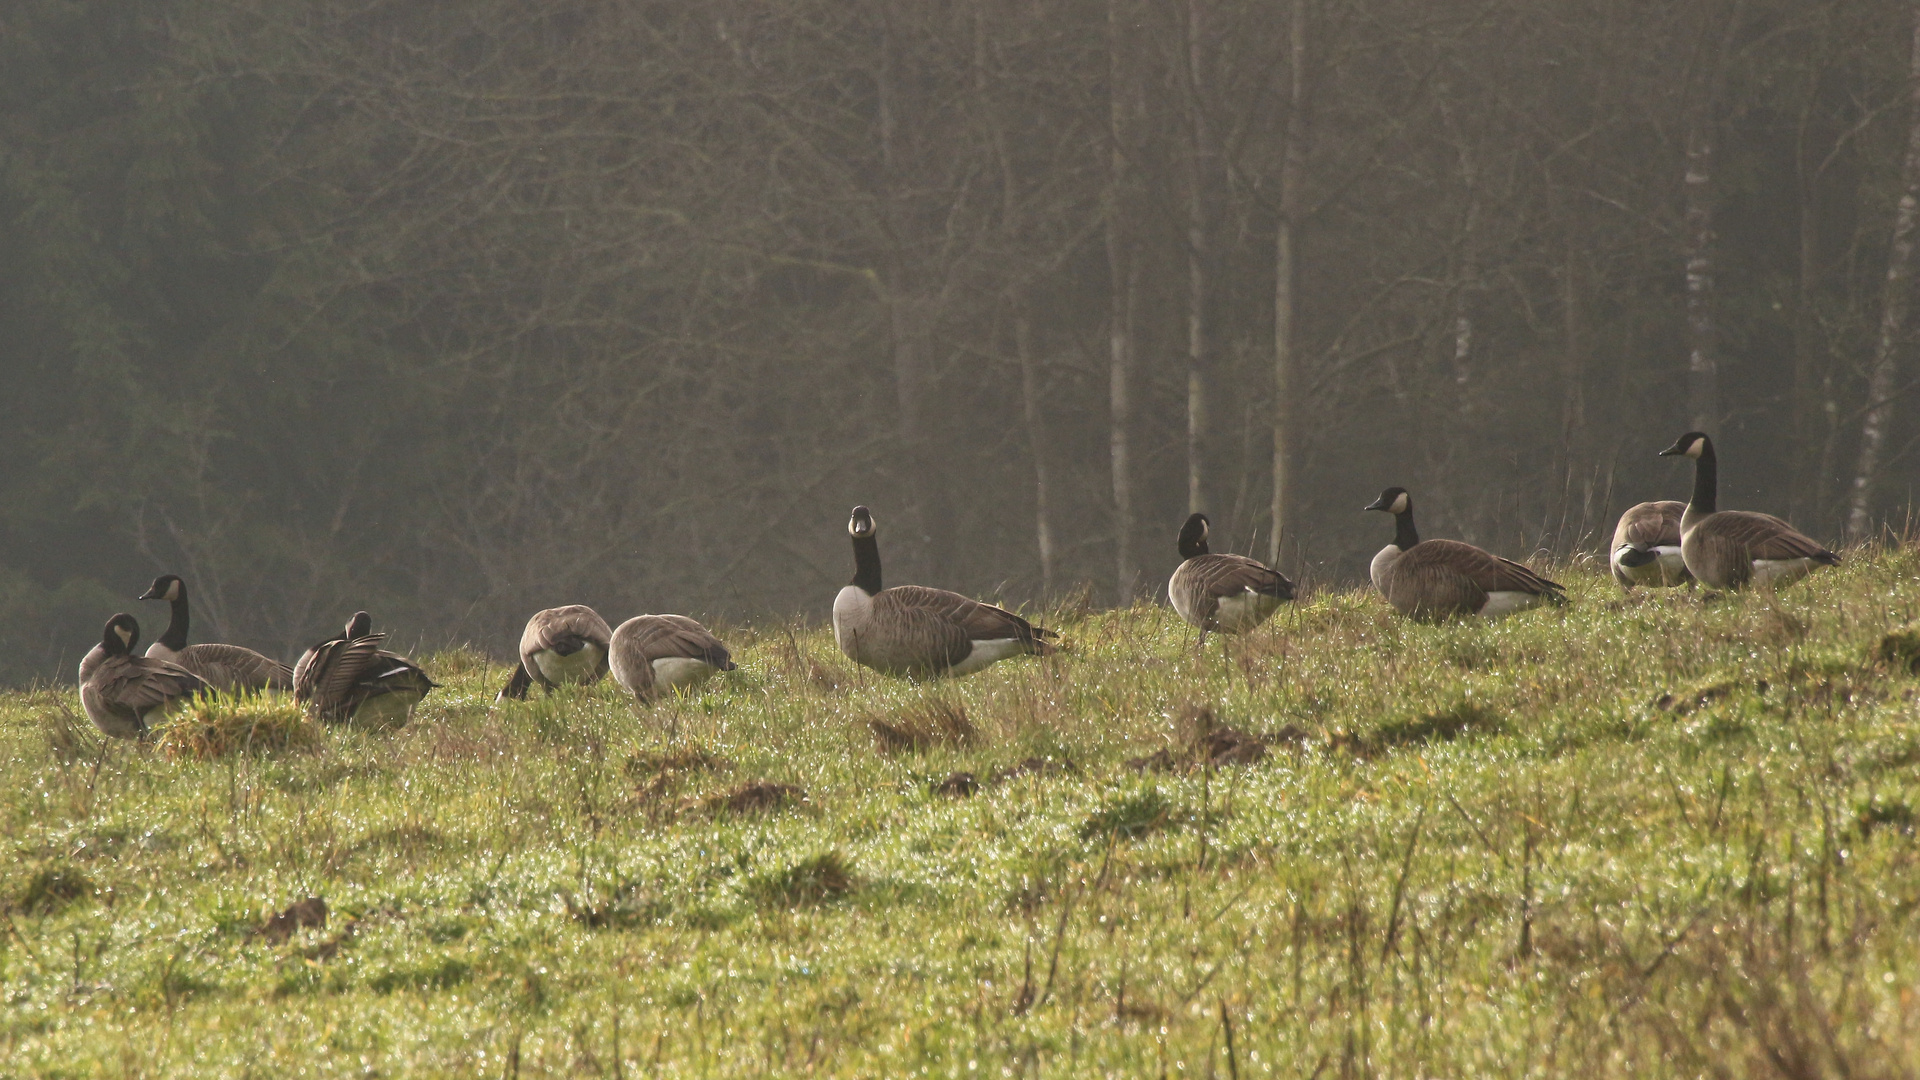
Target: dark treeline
457 310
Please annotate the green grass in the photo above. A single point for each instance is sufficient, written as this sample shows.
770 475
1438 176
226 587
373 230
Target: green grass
1656 835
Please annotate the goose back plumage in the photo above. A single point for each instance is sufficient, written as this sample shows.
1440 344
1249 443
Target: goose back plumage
1219 591
567 644
1732 549
1430 580
652 654
921 632
1646 546
351 680
126 695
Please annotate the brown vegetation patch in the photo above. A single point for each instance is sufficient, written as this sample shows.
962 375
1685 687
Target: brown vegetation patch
1208 744
931 722
657 775
51 888
819 880
756 797
299 915
1035 766
958 785
1899 650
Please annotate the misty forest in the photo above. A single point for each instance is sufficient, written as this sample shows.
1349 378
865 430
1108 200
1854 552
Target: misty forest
453 311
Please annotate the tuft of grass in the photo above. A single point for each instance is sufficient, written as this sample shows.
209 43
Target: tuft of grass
218 725
1899 649
756 797
934 720
1132 815
820 879
52 888
1439 725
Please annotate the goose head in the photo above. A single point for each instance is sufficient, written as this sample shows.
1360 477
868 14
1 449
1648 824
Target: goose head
360 625
165 587
1394 500
860 525
1193 536
120 633
1693 444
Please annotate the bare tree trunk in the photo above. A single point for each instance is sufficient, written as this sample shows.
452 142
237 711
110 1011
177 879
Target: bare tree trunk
909 361
1122 282
1293 160
1703 330
1197 173
1036 444
1893 312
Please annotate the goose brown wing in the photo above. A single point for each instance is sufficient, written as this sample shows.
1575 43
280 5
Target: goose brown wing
1449 576
1650 525
918 627
563 629
328 673
975 620
1761 536
139 683
1232 575
231 667
664 636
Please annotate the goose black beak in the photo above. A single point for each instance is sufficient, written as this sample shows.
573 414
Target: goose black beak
1377 504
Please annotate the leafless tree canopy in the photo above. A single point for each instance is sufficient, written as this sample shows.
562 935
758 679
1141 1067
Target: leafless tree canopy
453 311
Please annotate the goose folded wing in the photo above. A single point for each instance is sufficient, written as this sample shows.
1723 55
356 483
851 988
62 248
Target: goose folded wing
1656 525
977 621
1233 575
1764 536
563 630
678 636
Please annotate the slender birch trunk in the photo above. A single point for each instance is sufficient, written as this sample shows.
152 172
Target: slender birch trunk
1703 364
1197 147
1122 283
1036 444
903 323
1893 311
1293 161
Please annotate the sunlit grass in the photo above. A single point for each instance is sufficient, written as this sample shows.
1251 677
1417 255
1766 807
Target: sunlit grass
1652 835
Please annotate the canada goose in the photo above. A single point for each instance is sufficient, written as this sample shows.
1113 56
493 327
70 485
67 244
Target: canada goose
1433 579
1228 593
228 668
560 645
351 680
124 694
919 632
1731 549
655 653
1646 546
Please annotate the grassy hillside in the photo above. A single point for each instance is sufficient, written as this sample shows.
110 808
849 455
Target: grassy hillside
1660 835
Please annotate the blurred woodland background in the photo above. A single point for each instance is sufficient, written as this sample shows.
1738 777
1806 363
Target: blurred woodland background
455 310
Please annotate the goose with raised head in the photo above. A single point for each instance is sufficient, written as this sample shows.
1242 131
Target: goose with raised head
125 695
228 668
916 631
1731 549
1432 580
1227 593
655 654
560 645
351 680
1646 546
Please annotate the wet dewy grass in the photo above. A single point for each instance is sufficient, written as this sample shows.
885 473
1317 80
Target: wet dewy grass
1644 835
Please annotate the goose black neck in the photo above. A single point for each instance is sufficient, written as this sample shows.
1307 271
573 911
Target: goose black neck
866 564
1404 535
1706 484
1193 549
176 636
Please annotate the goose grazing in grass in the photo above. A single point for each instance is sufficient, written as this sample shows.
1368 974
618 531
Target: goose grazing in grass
351 680
124 694
654 654
1432 580
1646 546
919 632
228 668
1731 549
560 645
1228 593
